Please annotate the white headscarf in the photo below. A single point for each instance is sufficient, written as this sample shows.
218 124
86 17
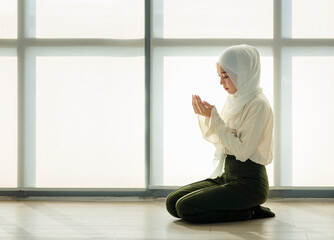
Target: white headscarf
242 65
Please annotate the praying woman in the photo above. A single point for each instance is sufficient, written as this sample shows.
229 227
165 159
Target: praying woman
243 138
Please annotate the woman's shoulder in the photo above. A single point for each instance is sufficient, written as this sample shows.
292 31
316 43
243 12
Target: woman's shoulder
259 103
260 100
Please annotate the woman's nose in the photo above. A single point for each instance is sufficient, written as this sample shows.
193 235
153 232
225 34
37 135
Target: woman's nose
222 81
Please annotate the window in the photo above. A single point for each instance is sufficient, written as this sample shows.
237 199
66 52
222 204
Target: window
120 19
96 95
81 82
310 20
312 120
187 40
8 126
84 135
214 19
8 19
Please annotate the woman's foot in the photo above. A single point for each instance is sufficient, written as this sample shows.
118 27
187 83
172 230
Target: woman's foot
261 212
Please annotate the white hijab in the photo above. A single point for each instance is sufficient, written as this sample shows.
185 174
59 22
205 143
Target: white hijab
242 65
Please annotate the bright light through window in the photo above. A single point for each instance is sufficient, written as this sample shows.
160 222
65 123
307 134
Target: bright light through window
122 19
312 19
8 123
90 122
8 19
217 19
312 120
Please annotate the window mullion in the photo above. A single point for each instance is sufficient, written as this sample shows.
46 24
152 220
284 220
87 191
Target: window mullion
26 108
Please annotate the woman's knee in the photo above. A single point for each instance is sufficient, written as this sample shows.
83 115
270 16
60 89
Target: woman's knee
183 208
264 194
171 204
264 197
179 206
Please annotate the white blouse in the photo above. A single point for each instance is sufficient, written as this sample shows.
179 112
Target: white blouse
249 135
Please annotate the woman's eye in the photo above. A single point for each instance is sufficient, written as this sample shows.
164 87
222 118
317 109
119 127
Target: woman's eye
223 76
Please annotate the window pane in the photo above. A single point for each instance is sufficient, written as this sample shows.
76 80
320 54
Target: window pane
8 122
312 121
90 19
217 19
187 156
314 19
90 122
267 83
184 147
8 19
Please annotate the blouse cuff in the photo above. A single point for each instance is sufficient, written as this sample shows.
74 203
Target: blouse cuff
215 121
207 129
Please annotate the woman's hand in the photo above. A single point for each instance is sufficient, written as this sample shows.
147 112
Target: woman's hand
202 108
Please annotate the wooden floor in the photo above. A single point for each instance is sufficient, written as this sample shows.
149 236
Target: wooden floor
147 219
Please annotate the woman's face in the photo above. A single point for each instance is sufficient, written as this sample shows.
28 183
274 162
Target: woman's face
225 80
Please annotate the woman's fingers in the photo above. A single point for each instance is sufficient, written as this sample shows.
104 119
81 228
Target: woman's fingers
202 109
195 104
208 105
200 105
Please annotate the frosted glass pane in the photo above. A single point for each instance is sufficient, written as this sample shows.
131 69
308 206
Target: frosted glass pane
90 19
267 83
8 122
187 156
312 120
90 122
313 19
8 19
217 19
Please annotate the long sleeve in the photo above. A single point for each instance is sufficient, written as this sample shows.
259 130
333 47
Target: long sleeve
209 134
243 143
207 129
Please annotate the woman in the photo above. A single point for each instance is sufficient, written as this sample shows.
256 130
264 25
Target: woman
242 135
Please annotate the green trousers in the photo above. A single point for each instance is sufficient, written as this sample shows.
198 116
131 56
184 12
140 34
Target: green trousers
230 197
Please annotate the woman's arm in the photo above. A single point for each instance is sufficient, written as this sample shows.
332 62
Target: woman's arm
251 132
207 130
203 109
